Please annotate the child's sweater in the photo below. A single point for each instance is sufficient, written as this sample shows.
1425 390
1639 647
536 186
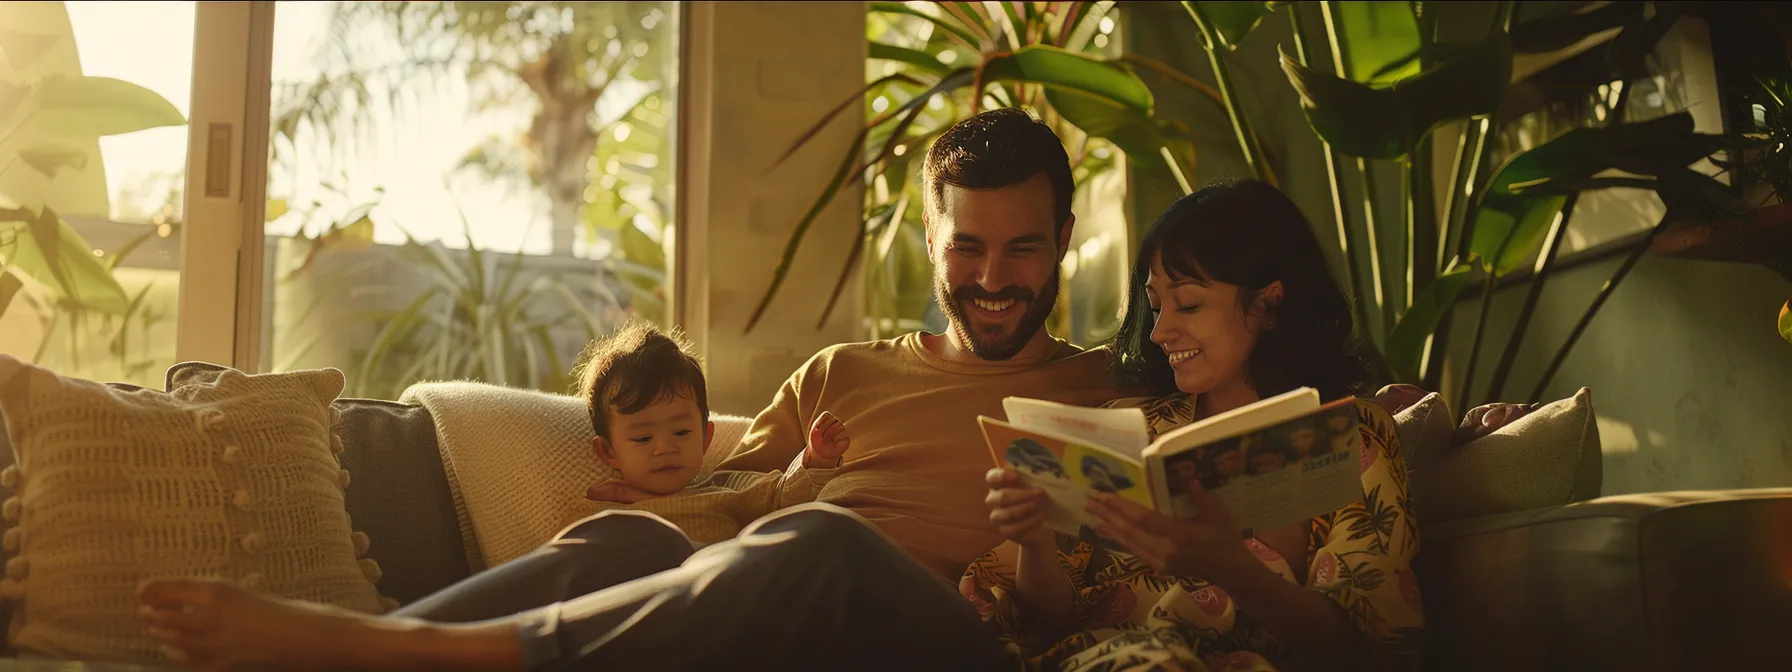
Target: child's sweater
716 508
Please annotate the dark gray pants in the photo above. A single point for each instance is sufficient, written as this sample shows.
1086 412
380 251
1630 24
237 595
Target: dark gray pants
814 587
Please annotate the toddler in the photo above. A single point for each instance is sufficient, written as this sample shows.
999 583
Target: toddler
650 412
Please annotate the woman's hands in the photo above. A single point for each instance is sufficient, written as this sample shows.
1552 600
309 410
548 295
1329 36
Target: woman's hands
1208 545
1017 509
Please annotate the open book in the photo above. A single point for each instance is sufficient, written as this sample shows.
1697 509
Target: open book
1272 463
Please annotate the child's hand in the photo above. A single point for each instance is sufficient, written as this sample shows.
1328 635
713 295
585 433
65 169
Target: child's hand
1017 509
617 491
828 441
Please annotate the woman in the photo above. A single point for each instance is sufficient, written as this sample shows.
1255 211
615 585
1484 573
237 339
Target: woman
1231 303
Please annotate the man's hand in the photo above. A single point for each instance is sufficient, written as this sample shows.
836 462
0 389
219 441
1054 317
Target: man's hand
1017 509
617 491
828 441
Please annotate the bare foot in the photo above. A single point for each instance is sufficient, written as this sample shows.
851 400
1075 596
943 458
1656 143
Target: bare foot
214 625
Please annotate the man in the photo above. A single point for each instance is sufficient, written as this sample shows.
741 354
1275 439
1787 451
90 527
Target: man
997 211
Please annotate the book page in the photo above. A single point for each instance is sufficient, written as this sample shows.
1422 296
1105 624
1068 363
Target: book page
1237 421
1122 429
1069 471
1273 476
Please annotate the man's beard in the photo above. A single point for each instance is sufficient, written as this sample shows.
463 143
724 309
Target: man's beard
998 346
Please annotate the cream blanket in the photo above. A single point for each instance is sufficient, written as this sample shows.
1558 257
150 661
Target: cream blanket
519 461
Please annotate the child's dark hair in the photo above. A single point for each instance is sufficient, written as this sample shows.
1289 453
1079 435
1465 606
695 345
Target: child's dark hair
634 368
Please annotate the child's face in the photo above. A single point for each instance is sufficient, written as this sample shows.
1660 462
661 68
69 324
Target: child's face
1266 462
1229 462
1302 439
660 448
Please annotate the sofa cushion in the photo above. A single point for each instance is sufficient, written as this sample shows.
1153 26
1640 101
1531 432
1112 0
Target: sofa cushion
234 479
398 495
1549 457
1424 429
1661 581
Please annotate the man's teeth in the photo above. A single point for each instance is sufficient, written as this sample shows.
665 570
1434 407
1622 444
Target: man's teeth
993 306
1179 356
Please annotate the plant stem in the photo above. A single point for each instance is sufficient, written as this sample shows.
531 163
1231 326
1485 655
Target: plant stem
1222 76
1422 250
1605 292
1366 171
1334 166
1340 66
1616 117
1471 152
1533 293
1489 284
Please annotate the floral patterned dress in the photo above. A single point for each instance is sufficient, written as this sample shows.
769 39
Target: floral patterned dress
1130 618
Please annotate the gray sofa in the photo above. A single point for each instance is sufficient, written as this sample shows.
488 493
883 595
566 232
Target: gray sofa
1669 581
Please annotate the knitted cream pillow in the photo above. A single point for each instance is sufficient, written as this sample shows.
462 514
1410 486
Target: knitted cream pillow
233 478
1549 457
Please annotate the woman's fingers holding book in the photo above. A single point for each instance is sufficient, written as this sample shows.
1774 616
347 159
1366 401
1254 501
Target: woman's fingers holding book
1000 477
1004 497
1150 547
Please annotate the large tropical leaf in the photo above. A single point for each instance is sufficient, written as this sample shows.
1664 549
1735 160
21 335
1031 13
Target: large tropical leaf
1224 24
1385 122
1382 40
1141 137
914 57
1057 68
85 107
52 253
1406 344
1552 33
1510 226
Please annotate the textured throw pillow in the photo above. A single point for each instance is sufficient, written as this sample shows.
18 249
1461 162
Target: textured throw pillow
1550 457
1425 429
235 479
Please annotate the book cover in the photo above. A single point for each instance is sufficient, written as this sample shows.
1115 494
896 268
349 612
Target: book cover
1272 476
1068 470
1271 464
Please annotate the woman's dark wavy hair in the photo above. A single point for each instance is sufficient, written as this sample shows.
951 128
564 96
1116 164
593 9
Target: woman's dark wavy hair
1246 233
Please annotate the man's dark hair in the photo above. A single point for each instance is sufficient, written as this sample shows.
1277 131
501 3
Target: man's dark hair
995 149
637 367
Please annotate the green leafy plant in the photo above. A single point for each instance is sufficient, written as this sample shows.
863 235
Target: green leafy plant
1392 83
49 123
481 316
1044 56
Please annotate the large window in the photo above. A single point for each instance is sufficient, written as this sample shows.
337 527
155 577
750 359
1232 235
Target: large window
93 147
465 190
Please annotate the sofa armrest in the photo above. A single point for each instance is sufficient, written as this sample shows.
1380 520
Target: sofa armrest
1661 581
